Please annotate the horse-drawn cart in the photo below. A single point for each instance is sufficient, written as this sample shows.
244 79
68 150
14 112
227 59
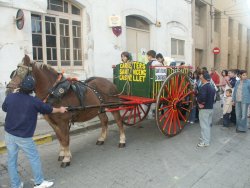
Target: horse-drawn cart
139 86
142 85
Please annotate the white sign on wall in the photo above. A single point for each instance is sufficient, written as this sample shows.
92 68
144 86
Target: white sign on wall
114 21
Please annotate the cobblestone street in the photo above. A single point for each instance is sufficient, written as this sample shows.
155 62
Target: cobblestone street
149 160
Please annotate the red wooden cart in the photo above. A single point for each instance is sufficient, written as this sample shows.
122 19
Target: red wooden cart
168 88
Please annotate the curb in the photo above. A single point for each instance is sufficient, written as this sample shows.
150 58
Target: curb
40 139
47 138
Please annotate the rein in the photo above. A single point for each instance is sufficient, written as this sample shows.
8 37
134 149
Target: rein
60 75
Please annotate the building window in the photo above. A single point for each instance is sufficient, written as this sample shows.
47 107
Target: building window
58 5
50 24
239 31
177 47
197 15
136 22
229 61
217 18
59 43
200 9
37 38
230 28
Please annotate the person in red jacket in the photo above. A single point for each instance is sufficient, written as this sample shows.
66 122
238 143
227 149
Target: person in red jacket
215 76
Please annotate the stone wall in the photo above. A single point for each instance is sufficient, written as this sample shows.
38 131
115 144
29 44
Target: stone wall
2 97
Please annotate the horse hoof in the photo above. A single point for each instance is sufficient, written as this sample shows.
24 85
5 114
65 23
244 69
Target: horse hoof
60 158
65 164
122 145
99 142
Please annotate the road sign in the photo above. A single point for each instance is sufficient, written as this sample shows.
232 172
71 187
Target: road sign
216 50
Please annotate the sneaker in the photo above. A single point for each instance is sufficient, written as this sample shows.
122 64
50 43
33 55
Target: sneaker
191 122
45 184
21 185
202 144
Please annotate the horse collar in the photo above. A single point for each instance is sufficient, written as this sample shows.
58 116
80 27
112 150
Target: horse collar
60 76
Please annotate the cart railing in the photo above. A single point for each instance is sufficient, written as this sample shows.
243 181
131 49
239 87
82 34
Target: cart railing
138 79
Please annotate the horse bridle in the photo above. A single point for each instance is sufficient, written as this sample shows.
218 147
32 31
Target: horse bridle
25 70
21 71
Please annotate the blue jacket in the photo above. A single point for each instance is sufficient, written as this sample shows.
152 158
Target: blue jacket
22 110
206 96
245 91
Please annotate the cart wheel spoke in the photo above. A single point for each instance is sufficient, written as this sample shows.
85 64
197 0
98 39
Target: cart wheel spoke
183 90
178 122
138 112
164 107
130 114
135 115
174 103
125 113
182 116
141 109
165 114
170 123
168 93
167 119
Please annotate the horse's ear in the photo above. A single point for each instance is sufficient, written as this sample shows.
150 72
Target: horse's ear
26 59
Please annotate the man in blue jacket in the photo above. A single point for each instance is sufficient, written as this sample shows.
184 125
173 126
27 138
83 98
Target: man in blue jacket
20 123
205 101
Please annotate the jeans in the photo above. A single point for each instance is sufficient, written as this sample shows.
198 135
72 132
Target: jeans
28 146
233 115
241 116
226 120
205 117
192 115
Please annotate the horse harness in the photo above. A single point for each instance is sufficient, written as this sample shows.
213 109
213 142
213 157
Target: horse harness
63 85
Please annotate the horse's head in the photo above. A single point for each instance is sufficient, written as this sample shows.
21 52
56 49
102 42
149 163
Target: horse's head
23 69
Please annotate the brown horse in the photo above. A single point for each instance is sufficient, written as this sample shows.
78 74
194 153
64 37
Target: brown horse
46 77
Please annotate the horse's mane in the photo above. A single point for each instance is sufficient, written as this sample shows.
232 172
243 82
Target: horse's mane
44 66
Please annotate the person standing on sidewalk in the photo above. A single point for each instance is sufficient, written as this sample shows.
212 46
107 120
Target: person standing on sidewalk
227 108
215 76
241 98
205 100
20 123
231 83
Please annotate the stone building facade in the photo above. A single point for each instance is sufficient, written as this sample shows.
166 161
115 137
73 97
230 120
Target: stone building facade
75 35
223 24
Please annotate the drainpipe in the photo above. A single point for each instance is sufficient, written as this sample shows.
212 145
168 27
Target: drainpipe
212 16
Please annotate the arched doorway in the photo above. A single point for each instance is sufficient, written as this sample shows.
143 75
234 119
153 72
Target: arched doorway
138 37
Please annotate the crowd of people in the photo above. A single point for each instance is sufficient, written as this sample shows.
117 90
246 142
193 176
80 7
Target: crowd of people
231 88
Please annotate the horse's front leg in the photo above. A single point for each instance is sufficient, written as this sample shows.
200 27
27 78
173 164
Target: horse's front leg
59 136
61 153
118 120
104 123
67 158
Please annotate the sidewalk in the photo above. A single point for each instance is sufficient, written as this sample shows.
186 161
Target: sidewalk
44 133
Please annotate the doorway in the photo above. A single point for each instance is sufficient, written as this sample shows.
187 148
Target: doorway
138 37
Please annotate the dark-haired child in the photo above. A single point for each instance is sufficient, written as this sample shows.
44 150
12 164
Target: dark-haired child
227 108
